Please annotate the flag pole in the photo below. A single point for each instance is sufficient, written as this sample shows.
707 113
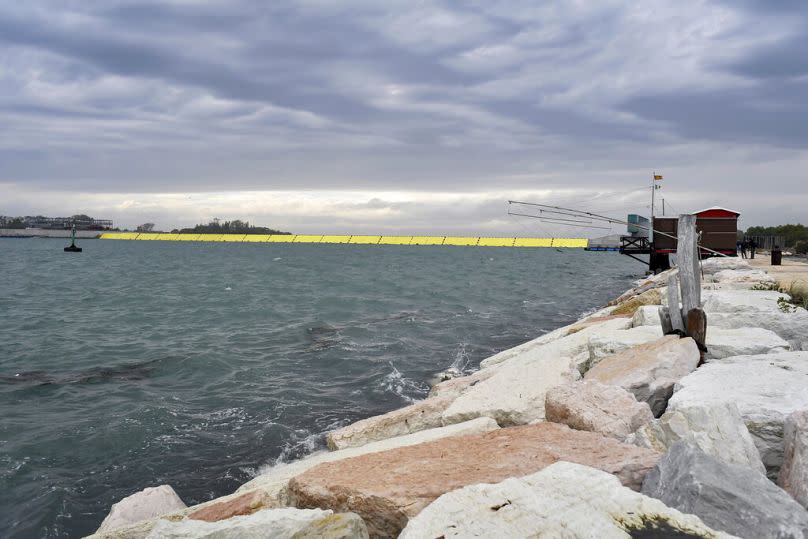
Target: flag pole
653 192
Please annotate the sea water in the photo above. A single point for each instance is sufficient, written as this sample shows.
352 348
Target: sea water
136 364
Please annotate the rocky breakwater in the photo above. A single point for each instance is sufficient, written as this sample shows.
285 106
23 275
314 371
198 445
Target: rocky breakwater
560 433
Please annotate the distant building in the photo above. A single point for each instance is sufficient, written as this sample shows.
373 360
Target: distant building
81 222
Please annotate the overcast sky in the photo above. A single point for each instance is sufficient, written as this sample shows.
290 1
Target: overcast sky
401 116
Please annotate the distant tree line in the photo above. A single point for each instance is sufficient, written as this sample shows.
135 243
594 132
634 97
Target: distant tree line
228 227
794 236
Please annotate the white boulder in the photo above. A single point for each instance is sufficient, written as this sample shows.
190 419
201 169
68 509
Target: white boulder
274 480
558 342
606 343
284 523
794 473
425 414
595 407
646 315
732 309
148 503
649 370
766 388
710 266
752 277
515 394
716 428
563 500
723 343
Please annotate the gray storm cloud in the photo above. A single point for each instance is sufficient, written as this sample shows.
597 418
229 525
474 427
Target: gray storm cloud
289 112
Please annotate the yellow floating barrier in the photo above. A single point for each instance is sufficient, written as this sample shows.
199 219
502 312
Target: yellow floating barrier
308 238
365 240
120 235
461 241
335 239
209 237
188 237
256 238
232 237
427 240
574 243
496 242
395 240
281 238
533 242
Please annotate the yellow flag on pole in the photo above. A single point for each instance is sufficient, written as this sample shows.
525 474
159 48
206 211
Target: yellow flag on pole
657 177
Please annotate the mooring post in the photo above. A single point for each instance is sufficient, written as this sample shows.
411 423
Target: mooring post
675 312
687 254
688 258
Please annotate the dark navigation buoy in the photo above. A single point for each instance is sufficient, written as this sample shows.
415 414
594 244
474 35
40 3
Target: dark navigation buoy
72 247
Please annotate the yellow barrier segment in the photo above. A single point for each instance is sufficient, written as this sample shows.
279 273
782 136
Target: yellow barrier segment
308 238
496 242
574 243
395 240
571 242
119 235
188 237
210 237
427 240
281 238
256 238
232 237
366 240
335 239
533 242
458 240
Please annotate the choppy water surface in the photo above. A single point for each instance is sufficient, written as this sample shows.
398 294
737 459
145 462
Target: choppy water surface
140 363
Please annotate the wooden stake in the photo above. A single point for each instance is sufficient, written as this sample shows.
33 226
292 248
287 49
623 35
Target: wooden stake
675 313
688 259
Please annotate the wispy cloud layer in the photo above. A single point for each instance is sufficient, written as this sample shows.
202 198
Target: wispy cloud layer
210 102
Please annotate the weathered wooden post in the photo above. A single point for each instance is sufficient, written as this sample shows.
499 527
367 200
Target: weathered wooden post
677 322
687 254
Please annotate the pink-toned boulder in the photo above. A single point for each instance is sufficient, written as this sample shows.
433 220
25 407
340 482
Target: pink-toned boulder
650 370
245 504
589 405
425 414
794 473
388 488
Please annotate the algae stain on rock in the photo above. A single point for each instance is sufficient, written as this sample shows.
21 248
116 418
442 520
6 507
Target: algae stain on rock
657 527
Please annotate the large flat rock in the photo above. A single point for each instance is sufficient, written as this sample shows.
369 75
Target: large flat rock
425 414
710 266
715 428
755 309
650 370
731 498
515 394
386 489
273 481
568 341
766 389
286 523
606 343
746 276
794 473
148 503
723 343
564 500
588 405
